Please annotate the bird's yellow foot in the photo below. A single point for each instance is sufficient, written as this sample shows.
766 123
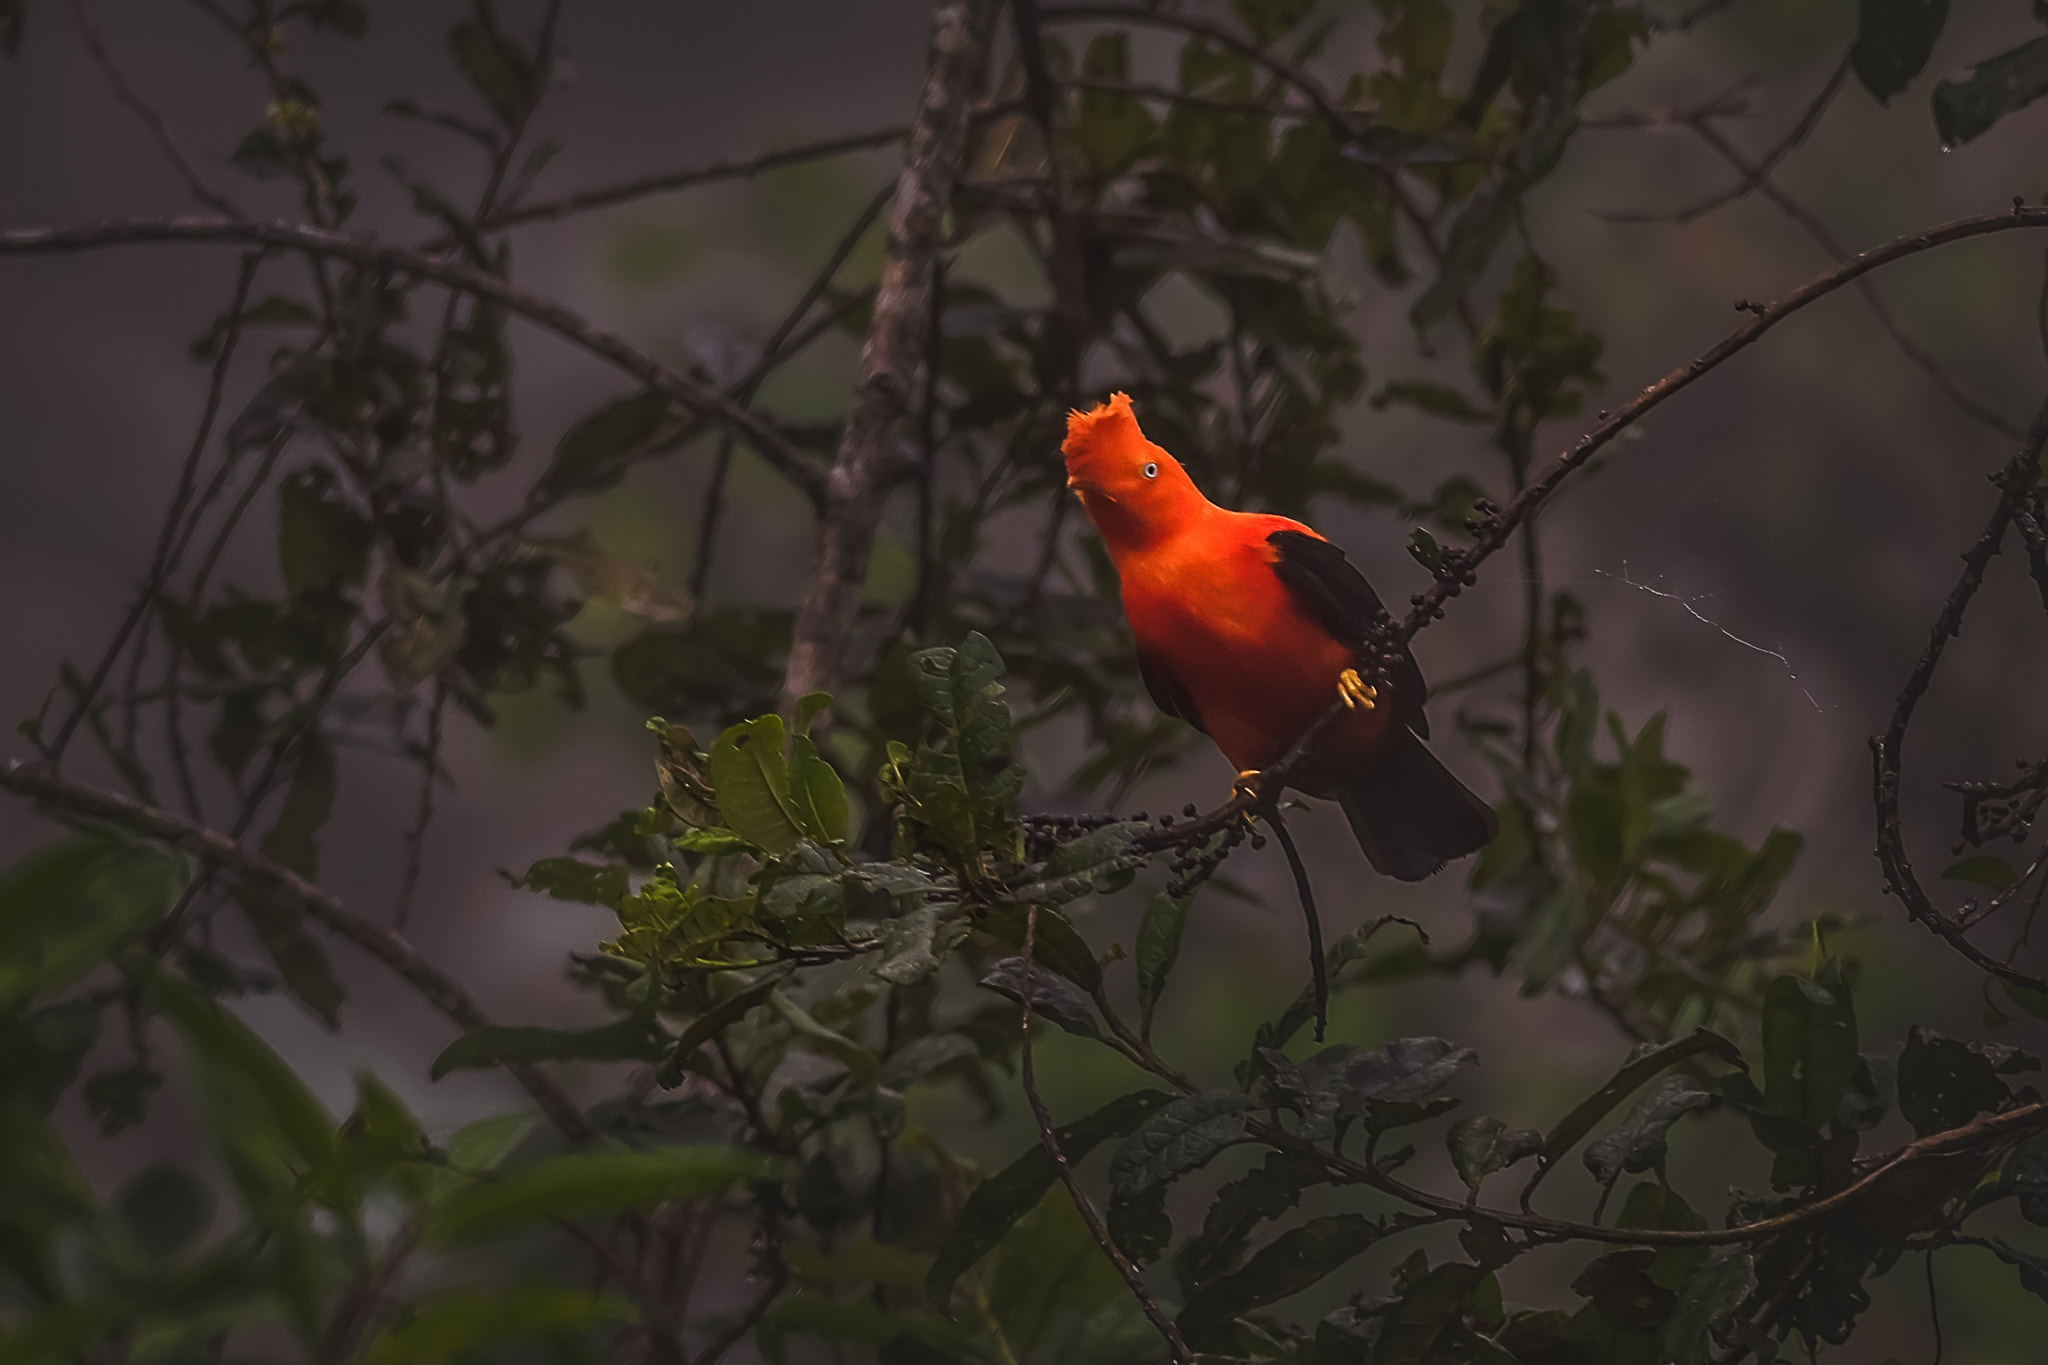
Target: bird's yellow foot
1247 784
1355 692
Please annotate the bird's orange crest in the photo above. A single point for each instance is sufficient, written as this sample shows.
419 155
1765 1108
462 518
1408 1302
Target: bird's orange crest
1104 430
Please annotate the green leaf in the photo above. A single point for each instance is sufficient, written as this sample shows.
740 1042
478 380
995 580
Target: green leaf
922 1056
594 452
1386 1086
1158 947
1709 1300
1944 1082
1422 547
498 68
1894 39
589 1184
454 1324
1271 20
862 1063
68 906
495 1045
817 793
1638 1144
1099 860
270 1131
165 1208
752 780
998 1202
1287 1265
1057 948
1985 870
720 1016
960 783
278 918
907 956
2008 82
323 542
1112 128
1048 1266
1639 1069
1479 1146
1809 1036
572 879
1052 996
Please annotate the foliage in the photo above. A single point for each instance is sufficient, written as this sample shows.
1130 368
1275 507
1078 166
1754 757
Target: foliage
834 907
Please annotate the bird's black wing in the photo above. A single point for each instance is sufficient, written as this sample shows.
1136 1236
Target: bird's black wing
1335 593
1167 693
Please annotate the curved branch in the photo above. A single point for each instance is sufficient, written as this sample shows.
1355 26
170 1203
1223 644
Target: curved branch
387 947
2016 484
774 447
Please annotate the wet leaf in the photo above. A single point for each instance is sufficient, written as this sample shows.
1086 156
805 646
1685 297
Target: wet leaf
1894 39
1638 1144
1480 1146
2009 82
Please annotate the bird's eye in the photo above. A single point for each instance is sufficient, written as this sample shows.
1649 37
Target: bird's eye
1151 470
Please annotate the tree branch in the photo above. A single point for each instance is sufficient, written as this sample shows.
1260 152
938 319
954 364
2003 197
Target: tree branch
869 457
777 449
166 142
387 947
2016 484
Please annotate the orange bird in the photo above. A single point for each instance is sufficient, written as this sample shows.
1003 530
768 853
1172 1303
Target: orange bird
1249 626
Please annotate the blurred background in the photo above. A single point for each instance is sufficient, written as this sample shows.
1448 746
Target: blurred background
1762 562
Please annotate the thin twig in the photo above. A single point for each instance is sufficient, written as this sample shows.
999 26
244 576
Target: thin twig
1828 242
1318 969
416 836
166 141
385 946
1083 1205
1754 176
2015 483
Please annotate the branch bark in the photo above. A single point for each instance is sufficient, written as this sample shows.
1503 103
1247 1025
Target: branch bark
774 447
871 455
387 947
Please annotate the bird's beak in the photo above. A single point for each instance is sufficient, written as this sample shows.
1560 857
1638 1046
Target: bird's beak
1086 488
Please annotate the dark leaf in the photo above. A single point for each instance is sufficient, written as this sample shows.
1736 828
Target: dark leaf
67 907
907 947
1479 1146
465 1322
590 1183
165 1208
1182 1137
595 451
1638 1144
13 23
2008 82
322 540
572 879
998 1202
495 1045
1158 946
1640 1068
1052 996
1288 1264
707 1025
1809 1036
1944 1082
1986 870
1894 39
1266 1191
269 1129
1421 1328
498 68
1056 947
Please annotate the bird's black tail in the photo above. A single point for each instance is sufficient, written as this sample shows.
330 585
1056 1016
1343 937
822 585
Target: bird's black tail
1410 814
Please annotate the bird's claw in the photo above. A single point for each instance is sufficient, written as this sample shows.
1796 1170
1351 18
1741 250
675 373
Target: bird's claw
1355 692
1247 784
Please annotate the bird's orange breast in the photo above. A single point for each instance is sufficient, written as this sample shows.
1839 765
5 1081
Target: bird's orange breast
1206 608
